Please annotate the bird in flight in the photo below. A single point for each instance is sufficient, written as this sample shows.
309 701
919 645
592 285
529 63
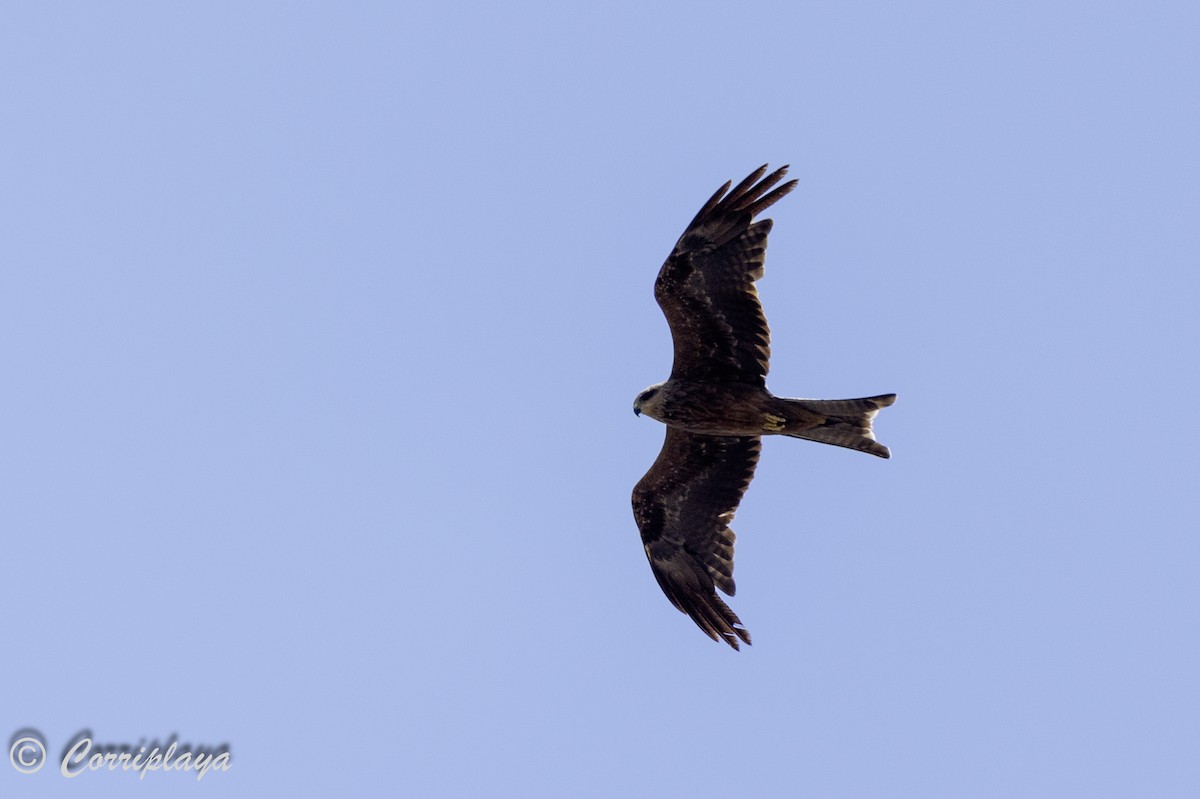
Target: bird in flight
716 405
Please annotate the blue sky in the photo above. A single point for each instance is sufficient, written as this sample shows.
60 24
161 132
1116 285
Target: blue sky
321 326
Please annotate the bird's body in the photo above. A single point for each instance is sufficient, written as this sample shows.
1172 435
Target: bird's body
719 409
716 405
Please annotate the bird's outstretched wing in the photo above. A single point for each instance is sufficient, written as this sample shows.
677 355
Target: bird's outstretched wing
706 287
683 507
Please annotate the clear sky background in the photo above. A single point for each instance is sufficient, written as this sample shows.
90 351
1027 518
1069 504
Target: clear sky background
320 328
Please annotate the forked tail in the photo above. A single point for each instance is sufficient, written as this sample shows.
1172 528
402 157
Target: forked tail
843 423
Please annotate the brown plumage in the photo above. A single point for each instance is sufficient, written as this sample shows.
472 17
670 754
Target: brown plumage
716 405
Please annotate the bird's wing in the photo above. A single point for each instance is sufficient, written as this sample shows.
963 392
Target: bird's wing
683 507
706 287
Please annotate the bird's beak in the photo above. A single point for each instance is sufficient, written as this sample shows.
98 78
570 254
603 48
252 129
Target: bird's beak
637 411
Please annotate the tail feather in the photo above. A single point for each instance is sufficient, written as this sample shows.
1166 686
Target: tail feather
846 423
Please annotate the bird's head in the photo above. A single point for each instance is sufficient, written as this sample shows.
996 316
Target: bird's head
649 402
